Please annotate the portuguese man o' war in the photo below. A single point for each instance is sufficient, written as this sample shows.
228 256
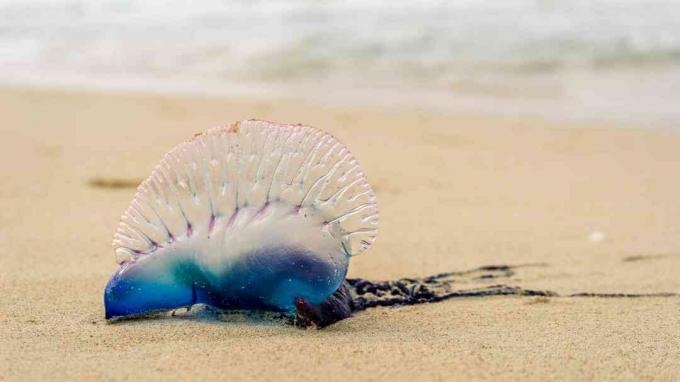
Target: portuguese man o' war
253 216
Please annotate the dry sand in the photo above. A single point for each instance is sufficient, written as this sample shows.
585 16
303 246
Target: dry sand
598 207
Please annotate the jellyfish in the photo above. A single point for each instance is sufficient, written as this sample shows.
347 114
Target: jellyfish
252 216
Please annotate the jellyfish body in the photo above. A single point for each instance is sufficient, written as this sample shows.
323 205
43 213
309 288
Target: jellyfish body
257 215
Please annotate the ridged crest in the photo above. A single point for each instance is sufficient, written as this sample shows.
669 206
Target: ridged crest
249 164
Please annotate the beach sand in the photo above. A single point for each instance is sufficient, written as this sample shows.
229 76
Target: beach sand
578 208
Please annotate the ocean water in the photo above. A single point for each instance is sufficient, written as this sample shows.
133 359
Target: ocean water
593 59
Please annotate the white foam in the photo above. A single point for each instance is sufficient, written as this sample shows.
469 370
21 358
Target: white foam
447 53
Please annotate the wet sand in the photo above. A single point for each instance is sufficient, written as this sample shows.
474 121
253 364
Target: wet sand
590 209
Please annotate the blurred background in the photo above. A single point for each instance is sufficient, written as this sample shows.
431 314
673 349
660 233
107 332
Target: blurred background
605 60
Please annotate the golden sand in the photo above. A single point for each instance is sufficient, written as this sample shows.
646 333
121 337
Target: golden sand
592 208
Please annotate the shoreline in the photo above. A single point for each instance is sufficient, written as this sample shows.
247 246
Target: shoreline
574 96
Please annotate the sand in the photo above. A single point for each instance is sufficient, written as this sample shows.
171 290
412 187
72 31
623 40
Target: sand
590 208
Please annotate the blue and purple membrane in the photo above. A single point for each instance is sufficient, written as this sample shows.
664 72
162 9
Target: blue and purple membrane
269 279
